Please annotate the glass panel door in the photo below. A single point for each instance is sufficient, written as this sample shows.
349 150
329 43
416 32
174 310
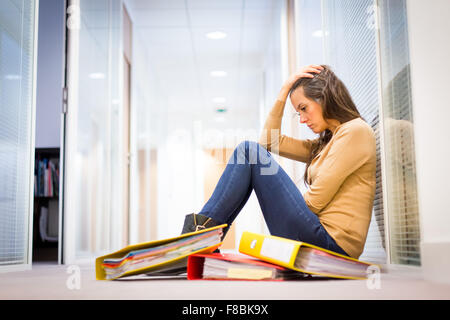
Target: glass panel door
398 124
350 46
93 174
17 109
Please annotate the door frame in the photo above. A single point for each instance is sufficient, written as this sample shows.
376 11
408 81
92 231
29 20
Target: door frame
71 39
29 263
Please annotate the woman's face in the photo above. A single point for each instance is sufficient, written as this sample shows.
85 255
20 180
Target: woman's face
310 112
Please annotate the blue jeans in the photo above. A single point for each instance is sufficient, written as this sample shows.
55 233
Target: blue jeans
252 167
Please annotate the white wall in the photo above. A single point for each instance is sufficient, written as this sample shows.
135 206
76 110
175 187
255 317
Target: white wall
49 73
429 25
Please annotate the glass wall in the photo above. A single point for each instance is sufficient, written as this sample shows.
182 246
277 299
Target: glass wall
93 180
365 43
351 49
339 34
399 136
17 69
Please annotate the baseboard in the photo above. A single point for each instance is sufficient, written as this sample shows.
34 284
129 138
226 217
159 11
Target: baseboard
435 257
15 267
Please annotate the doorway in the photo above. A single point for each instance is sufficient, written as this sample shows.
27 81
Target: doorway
48 132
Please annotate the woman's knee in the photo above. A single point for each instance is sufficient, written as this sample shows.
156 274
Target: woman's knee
248 145
249 150
251 146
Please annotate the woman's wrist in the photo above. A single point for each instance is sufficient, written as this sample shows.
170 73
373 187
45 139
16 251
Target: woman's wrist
284 92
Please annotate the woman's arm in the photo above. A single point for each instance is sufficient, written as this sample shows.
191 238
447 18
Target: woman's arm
271 137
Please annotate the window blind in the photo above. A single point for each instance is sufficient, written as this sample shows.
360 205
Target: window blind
350 49
403 219
16 97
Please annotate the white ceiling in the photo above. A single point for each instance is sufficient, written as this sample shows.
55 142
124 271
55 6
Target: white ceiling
182 57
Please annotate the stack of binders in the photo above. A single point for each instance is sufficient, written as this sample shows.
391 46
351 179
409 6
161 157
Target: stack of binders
279 255
168 255
262 257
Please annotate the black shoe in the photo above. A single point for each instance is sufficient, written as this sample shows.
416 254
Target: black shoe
195 222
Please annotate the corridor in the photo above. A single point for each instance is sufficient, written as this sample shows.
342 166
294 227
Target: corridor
119 118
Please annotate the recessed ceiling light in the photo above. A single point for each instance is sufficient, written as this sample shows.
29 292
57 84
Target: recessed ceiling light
13 77
319 33
219 100
216 35
97 75
218 73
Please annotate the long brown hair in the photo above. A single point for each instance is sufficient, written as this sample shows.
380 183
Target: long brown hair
330 92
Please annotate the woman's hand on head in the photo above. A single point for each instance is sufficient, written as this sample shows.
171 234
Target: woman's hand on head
305 72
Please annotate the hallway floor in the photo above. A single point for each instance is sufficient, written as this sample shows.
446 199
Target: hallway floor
51 281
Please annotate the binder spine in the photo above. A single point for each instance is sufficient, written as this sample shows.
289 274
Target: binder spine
269 248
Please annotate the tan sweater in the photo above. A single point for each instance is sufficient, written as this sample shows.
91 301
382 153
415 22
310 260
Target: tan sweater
342 176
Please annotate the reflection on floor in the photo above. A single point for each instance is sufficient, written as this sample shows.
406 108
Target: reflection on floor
51 281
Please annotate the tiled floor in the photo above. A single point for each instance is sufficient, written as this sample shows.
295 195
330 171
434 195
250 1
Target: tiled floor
50 281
